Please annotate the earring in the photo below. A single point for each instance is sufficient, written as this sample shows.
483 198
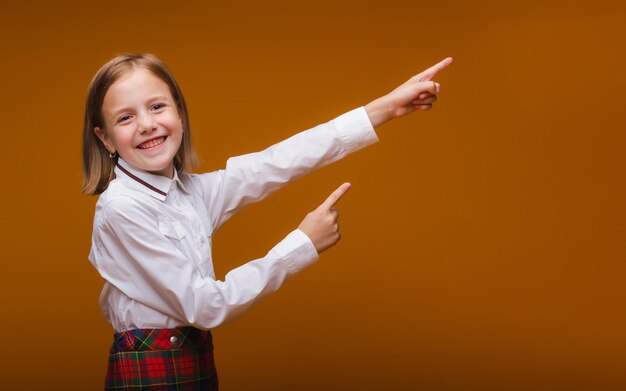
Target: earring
112 155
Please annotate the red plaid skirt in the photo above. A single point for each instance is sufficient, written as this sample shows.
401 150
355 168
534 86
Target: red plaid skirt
162 360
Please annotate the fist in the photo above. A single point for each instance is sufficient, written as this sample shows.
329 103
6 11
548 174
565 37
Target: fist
322 225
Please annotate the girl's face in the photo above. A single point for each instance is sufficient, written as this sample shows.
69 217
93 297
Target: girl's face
141 122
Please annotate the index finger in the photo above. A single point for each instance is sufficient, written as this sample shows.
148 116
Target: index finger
432 71
336 196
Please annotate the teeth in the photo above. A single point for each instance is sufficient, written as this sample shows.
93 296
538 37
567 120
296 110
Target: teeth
152 143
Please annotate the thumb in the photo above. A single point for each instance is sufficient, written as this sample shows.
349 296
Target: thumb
335 196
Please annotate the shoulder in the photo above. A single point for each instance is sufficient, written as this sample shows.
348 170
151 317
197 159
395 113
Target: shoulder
119 204
199 183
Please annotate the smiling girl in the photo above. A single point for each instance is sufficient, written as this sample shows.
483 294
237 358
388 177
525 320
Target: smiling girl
154 219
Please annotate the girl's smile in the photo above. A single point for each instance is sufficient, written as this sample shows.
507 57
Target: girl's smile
152 143
141 122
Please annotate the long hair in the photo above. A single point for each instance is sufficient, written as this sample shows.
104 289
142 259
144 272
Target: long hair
97 165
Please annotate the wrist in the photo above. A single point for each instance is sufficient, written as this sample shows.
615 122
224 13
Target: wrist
379 112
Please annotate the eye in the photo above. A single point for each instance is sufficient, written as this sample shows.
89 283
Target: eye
123 118
157 106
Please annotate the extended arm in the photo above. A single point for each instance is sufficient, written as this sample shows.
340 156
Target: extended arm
250 178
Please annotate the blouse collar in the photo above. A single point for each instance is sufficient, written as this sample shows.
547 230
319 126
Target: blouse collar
156 185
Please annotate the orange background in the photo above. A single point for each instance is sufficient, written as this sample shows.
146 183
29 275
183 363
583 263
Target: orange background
483 242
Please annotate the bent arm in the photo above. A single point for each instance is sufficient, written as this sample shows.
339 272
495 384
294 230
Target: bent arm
252 177
144 265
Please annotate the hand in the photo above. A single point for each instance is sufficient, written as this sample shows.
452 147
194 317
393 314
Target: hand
418 93
321 225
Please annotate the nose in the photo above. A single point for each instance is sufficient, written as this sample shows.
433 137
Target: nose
146 123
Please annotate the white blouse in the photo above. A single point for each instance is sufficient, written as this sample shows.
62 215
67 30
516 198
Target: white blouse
152 235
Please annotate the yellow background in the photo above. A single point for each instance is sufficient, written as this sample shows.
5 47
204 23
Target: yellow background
483 242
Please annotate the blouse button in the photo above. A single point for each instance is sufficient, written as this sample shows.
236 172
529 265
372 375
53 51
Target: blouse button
173 339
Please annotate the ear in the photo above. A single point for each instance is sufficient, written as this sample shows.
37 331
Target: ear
104 138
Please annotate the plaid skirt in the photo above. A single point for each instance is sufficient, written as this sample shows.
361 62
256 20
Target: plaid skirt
161 360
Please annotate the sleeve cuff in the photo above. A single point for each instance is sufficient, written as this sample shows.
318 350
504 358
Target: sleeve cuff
355 130
297 251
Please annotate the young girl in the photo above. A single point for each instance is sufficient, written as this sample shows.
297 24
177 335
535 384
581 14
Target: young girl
154 219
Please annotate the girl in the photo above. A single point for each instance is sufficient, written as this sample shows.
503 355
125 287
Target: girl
154 219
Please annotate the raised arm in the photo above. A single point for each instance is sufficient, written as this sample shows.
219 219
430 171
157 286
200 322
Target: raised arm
250 178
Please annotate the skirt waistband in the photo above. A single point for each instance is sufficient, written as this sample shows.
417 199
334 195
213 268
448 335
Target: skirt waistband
138 340
162 359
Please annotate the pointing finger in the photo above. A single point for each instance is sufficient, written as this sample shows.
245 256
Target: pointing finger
335 196
432 71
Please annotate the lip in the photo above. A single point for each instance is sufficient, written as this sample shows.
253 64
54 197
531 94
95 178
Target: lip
156 146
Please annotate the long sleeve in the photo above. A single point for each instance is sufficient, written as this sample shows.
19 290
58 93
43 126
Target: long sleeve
250 178
152 236
145 265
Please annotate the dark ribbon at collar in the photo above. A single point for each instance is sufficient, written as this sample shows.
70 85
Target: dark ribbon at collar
146 184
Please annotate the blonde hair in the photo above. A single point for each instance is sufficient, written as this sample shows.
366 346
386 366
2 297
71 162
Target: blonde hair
97 165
